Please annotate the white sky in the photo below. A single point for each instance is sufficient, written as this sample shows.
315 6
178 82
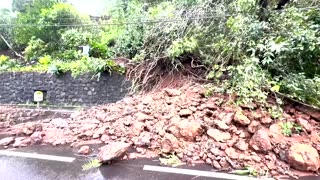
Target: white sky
92 7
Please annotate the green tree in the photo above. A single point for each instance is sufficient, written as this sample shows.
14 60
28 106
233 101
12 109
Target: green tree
6 18
46 20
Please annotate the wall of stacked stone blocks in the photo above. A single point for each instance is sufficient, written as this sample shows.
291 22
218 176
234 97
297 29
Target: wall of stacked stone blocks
19 88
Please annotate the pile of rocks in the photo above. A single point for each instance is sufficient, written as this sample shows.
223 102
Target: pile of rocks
197 129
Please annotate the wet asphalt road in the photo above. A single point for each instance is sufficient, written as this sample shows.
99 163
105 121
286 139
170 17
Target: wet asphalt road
17 168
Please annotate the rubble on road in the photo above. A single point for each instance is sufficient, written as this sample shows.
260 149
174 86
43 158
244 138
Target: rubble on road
195 128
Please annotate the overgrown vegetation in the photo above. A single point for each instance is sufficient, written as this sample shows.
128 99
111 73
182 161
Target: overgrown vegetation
288 128
235 45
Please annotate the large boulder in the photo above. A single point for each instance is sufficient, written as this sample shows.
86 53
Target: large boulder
190 129
303 157
112 151
260 141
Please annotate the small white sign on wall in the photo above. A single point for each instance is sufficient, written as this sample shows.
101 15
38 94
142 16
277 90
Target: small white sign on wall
38 96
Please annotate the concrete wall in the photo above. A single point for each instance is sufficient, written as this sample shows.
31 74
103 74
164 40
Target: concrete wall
19 87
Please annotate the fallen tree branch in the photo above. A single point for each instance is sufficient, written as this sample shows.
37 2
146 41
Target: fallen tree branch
10 47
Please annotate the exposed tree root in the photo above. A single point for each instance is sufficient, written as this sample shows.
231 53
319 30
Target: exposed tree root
157 74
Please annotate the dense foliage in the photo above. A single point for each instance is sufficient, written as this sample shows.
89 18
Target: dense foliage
245 50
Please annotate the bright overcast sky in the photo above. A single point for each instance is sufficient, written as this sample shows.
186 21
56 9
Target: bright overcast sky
92 7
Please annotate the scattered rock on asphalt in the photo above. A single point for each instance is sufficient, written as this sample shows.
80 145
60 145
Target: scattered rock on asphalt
85 150
303 157
112 151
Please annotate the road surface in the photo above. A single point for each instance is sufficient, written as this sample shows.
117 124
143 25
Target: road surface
61 163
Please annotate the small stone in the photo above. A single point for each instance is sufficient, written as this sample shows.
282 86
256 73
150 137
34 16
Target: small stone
169 143
195 158
29 128
84 150
215 151
221 125
216 165
303 157
241 118
209 161
241 145
143 140
111 131
305 124
137 128
112 151
36 137
141 150
193 109
228 118
256 158
105 138
218 135
185 112
99 132
173 92
232 153
59 123
59 142
260 141
162 132
224 163
175 131
147 100
142 116
21 142
266 120
6 141
254 126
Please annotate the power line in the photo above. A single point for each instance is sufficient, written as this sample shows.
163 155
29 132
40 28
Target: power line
123 23
138 20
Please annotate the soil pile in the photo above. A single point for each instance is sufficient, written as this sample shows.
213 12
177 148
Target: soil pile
183 121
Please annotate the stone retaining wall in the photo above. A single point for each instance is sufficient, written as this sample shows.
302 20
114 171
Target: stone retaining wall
19 87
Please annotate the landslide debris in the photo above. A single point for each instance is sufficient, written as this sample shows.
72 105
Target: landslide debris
183 122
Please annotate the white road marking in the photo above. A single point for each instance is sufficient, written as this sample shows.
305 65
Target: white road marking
37 156
198 173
